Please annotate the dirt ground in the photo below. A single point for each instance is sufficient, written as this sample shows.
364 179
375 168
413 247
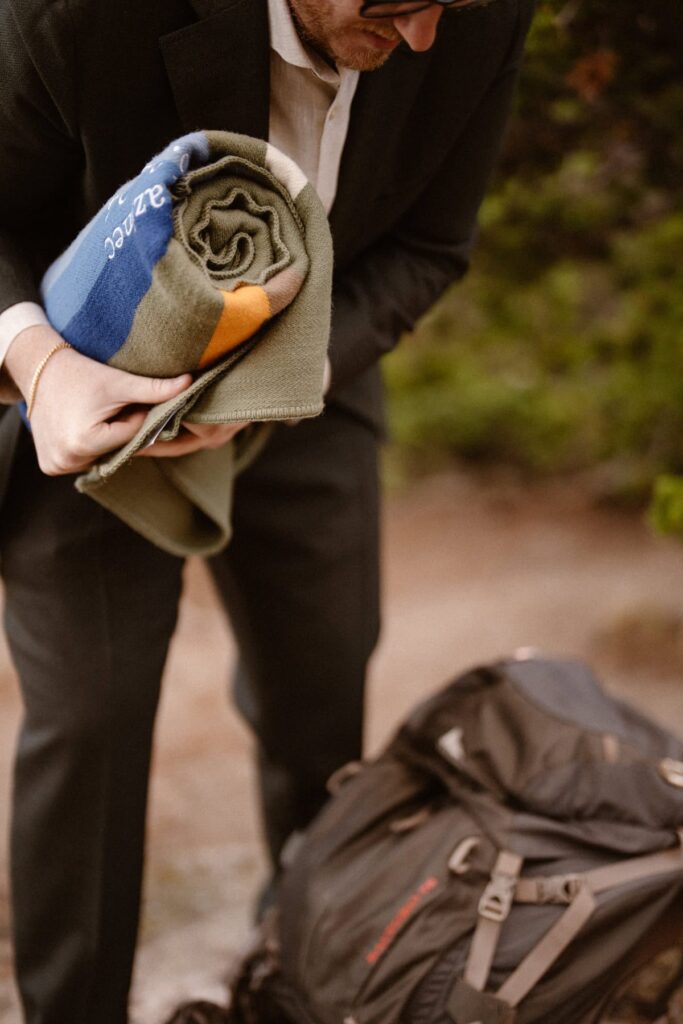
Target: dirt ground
472 570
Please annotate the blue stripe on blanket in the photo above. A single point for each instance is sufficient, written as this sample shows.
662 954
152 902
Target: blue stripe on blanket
109 266
128 276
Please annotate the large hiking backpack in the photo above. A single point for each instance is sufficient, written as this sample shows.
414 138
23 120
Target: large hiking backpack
512 855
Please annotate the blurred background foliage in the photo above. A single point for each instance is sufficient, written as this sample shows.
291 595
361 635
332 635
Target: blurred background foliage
562 351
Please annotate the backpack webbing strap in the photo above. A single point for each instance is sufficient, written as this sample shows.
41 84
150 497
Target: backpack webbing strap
635 868
545 953
560 888
494 907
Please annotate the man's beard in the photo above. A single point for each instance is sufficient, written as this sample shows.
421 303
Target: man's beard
315 32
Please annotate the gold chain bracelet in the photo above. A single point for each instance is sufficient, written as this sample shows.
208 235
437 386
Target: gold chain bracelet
38 373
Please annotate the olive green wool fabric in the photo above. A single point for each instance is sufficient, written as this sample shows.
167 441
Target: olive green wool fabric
241 226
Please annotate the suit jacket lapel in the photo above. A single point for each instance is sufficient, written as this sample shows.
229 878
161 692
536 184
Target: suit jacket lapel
219 67
375 130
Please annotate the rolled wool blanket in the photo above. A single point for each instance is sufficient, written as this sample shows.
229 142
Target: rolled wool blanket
215 259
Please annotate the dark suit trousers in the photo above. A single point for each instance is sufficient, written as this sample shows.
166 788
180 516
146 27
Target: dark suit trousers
90 609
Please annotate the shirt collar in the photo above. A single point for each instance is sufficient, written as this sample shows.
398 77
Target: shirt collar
286 42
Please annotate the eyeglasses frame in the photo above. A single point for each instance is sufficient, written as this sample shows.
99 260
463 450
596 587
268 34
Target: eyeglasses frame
417 7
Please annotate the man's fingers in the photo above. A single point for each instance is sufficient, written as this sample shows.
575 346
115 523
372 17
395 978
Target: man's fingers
75 454
215 434
195 437
83 409
153 390
117 432
181 445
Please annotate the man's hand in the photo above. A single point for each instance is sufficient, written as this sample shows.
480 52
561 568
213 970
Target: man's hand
194 437
82 409
213 435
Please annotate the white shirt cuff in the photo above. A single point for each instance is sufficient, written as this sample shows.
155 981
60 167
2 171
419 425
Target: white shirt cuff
16 319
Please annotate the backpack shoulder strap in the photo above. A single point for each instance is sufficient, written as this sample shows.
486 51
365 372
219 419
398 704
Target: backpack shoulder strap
494 907
545 953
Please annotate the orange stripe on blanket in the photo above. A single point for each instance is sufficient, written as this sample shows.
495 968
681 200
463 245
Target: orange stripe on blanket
244 311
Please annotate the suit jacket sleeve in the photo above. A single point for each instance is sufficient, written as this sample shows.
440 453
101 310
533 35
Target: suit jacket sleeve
392 284
39 155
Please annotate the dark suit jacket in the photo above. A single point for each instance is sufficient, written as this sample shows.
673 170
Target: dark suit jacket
91 89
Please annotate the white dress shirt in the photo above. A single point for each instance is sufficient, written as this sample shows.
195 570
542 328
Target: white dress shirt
310 104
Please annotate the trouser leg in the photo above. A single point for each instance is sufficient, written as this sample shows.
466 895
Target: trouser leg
300 583
90 608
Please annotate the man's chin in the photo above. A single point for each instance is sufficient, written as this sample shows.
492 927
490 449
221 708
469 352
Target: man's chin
362 60
365 51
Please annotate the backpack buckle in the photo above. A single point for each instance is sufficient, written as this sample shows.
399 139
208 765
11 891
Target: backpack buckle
672 771
459 862
558 888
496 900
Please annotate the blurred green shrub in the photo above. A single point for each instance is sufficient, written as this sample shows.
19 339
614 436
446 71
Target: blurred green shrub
666 511
563 348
